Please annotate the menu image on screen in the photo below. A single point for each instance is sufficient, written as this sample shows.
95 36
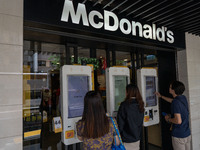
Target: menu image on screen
120 90
78 86
150 90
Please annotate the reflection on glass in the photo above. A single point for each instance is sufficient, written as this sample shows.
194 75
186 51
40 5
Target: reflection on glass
150 59
123 58
120 90
32 117
77 88
150 90
41 92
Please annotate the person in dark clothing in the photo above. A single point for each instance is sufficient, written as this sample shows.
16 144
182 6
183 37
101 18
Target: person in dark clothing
130 118
181 136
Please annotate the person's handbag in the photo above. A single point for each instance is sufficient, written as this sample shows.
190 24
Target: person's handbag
114 145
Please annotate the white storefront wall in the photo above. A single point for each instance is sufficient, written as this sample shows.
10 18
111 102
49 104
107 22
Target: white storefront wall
11 48
189 73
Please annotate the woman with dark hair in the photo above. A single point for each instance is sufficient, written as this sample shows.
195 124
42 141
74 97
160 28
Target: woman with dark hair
181 136
95 129
130 118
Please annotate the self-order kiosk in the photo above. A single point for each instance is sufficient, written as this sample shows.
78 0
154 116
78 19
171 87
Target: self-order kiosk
75 83
117 79
148 85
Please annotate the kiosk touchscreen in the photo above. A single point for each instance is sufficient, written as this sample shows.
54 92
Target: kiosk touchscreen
116 80
148 84
75 83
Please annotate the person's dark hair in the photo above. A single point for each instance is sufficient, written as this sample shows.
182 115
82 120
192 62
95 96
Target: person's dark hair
96 122
133 91
178 87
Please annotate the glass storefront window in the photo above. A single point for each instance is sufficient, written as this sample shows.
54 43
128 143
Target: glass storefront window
101 78
41 86
150 59
41 90
83 52
123 58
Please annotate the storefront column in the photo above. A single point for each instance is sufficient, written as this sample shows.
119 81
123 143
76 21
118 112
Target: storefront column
189 74
93 55
113 58
137 60
75 55
36 48
142 59
133 68
67 55
108 57
11 52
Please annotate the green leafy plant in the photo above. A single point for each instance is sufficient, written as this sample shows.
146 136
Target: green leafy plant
82 60
120 62
55 61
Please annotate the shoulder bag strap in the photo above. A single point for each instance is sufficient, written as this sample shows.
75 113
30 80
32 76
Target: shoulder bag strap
116 130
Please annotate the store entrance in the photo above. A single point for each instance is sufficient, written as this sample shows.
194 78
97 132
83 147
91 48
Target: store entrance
42 62
43 58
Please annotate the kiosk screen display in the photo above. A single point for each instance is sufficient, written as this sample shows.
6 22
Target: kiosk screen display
150 90
120 90
78 86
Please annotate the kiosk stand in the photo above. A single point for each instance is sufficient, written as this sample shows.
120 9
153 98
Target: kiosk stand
148 85
117 79
75 83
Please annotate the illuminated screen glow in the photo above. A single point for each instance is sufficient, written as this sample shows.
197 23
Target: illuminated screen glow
150 90
120 83
78 86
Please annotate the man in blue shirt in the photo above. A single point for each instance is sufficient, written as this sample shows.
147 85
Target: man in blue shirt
181 136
